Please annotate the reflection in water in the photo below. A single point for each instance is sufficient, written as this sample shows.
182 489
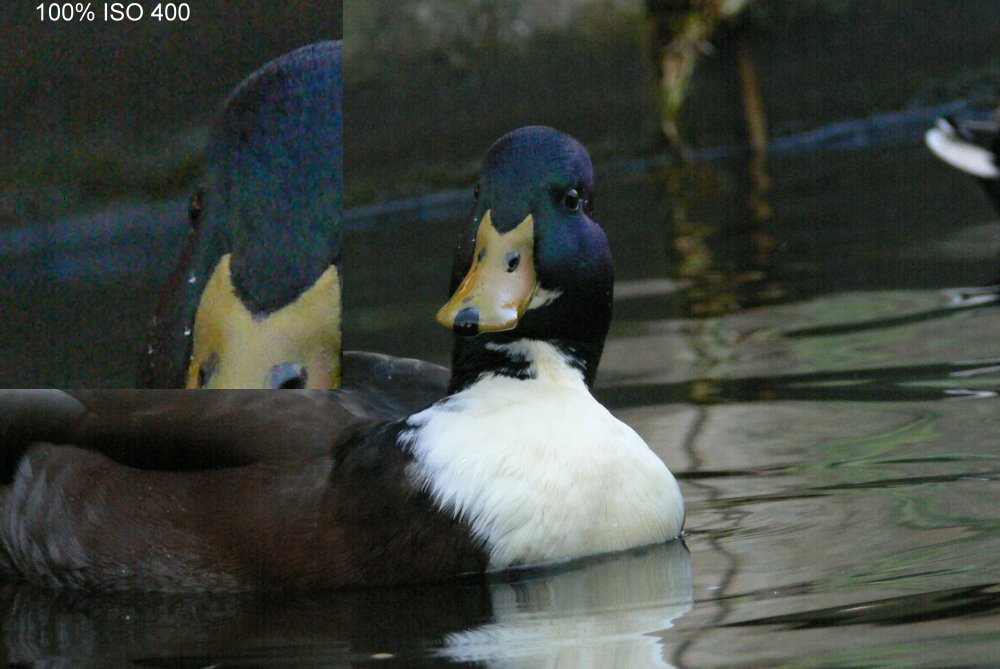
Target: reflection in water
832 478
681 29
605 611
884 384
826 515
728 259
938 605
960 299
80 629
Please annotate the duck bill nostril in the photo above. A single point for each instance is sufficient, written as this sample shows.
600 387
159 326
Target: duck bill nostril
234 347
467 322
495 293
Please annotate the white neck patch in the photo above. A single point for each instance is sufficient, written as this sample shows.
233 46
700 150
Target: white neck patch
539 469
543 298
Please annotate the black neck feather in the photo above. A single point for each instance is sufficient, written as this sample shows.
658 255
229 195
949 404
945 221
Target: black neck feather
472 359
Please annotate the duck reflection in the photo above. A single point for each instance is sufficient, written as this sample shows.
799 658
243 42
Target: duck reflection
607 611
75 628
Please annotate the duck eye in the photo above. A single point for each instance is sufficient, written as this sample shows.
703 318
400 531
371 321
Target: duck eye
195 207
475 192
513 260
572 200
287 376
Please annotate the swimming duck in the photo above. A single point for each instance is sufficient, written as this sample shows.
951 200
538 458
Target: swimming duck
970 146
254 301
519 464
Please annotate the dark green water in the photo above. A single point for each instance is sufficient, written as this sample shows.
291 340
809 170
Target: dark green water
824 384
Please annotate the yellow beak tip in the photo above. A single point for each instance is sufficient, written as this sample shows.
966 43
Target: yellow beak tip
445 318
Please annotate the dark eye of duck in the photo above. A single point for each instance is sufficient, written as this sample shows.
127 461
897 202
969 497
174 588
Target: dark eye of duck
287 376
572 200
475 192
512 260
195 207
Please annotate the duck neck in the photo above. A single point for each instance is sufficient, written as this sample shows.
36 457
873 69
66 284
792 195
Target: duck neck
520 358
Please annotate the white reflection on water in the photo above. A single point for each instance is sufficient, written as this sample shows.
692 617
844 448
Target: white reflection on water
603 613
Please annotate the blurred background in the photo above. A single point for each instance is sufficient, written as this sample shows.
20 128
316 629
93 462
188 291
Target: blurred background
448 76
102 129
748 153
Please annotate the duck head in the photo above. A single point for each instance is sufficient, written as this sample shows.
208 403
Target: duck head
531 263
255 299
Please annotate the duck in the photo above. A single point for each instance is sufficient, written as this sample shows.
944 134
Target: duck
972 147
254 300
518 464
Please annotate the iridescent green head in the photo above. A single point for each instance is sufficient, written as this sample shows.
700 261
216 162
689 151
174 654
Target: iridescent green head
531 262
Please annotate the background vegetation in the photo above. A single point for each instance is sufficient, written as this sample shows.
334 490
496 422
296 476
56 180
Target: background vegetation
431 83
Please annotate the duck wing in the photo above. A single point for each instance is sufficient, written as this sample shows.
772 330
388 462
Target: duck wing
176 430
74 517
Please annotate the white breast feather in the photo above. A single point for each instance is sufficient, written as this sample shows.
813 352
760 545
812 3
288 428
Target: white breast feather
540 469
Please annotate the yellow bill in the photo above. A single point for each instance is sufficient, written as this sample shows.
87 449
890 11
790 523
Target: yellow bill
296 346
501 283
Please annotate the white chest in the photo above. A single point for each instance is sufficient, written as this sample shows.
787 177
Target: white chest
542 471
